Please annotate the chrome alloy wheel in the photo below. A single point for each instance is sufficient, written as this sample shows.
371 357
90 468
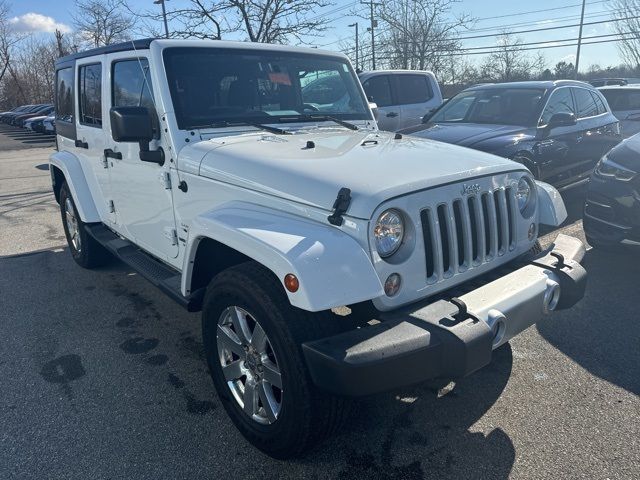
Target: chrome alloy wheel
249 365
72 224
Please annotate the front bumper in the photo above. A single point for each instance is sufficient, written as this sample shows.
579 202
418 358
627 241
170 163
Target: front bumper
448 338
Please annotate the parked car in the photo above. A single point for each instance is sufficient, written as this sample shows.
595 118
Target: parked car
602 82
35 123
624 102
402 97
612 207
557 129
5 116
224 186
49 124
10 117
19 120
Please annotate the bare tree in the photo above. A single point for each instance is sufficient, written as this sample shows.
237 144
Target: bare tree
102 22
509 62
627 12
8 39
419 34
267 21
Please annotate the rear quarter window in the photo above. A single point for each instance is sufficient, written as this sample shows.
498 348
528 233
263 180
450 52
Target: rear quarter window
64 95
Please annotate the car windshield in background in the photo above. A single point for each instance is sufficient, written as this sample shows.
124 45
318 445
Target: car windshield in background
622 99
502 106
214 87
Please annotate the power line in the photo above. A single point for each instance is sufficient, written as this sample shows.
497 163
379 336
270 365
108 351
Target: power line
552 28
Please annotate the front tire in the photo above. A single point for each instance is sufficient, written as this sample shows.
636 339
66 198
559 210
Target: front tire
85 250
252 340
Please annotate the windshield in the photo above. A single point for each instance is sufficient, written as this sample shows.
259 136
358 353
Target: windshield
502 106
211 86
619 99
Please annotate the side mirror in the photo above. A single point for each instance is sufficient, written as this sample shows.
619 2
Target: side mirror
135 124
562 119
428 115
374 108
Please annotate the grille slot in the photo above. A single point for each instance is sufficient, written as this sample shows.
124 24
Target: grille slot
466 233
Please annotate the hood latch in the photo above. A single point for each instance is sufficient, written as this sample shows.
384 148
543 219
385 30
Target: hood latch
340 206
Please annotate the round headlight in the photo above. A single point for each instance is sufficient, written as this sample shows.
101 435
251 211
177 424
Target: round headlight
388 233
524 195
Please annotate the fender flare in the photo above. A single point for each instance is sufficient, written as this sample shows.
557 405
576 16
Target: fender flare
551 208
332 267
74 176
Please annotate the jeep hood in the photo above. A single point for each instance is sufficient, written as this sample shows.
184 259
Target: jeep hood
468 134
374 165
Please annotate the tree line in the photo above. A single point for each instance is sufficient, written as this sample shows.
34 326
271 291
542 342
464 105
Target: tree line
410 34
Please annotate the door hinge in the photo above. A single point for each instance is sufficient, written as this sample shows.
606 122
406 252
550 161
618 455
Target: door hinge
172 235
111 206
165 178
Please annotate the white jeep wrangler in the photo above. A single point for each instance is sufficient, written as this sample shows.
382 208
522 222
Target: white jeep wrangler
329 259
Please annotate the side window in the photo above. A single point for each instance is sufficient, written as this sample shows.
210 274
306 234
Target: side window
90 98
64 95
585 103
560 102
413 89
131 84
379 89
131 87
599 103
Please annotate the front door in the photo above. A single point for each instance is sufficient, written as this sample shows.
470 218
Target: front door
141 191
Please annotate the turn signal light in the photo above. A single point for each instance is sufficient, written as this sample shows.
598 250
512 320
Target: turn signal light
291 282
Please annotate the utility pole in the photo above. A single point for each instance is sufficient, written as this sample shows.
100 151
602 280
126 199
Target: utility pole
357 46
374 24
575 75
164 17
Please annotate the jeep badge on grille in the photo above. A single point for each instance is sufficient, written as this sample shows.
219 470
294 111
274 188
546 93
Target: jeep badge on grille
472 189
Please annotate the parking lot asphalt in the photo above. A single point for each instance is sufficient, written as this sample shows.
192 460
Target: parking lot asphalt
103 377
14 138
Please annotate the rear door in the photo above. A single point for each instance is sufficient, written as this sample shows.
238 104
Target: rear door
378 90
592 135
90 137
416 97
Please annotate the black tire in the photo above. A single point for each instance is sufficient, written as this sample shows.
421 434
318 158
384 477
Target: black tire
87 253
307 415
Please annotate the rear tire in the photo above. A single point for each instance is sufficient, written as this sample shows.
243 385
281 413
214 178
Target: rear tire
249 299
85 250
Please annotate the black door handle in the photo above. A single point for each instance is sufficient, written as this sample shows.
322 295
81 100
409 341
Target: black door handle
392 114
111 154
81 144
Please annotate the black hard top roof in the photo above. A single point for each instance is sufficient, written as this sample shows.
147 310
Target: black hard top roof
140 44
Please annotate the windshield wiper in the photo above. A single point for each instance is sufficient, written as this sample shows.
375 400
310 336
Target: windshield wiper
320 118
226 123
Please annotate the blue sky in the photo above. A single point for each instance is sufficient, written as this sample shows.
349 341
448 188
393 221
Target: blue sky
515 15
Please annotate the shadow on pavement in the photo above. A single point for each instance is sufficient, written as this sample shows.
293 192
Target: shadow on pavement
602 333
425 431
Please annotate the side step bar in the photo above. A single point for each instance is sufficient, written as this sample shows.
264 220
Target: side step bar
162 276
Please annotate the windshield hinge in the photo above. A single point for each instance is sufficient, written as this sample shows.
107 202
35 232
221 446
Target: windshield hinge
340 206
